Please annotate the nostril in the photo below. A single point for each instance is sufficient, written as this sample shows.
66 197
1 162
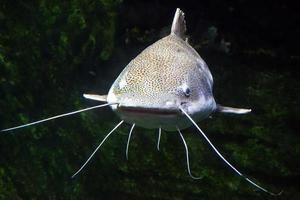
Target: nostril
183 103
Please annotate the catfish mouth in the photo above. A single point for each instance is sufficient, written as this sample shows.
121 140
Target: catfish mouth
151 111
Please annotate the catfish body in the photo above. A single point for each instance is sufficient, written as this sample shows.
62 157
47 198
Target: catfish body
165 76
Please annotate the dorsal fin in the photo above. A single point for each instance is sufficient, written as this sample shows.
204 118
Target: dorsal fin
178 25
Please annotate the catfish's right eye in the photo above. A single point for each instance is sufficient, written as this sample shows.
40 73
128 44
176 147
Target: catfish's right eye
187 92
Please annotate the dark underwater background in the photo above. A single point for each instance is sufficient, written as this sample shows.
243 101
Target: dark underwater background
51 52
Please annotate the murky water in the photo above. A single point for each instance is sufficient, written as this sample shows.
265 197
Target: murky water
51 53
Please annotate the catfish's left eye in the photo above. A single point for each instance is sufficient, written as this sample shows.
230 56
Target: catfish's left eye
187 92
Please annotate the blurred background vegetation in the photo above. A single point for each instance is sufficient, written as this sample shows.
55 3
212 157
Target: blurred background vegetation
51 52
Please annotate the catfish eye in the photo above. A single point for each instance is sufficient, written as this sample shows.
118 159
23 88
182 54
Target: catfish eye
187 92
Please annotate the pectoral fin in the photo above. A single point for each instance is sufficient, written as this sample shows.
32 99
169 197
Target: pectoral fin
225 109
96 97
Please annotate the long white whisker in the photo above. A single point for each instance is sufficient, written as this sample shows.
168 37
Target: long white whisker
187 156
129 136
57 116
220 155
97 148
159 135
